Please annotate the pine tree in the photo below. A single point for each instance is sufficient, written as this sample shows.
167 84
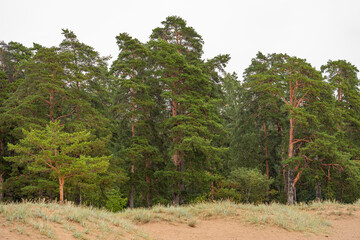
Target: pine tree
66 155
187 91
11 55
87 85
298 87
341 172
261 108
135 104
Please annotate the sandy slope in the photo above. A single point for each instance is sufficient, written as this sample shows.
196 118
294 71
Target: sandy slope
344 227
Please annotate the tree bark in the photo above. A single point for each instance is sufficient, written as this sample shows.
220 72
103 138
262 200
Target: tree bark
176 158
61 188
285 176
290 193
339 100
179 186
318 191
132 190
176 199
1 186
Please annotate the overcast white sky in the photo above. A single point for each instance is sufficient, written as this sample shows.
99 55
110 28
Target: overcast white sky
317 30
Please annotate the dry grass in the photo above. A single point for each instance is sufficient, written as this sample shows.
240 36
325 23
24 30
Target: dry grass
91 223
291 218
82 222
182 214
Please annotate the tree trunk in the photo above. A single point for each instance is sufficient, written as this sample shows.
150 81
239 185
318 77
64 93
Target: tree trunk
176 199
132 190
80 197
280 131
339 100
181 184
148 183
212 191
318 191
1 186
285 180
266 154
290 193
61 188
266 159
176 158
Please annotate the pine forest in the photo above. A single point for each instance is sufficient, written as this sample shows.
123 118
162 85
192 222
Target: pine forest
159 124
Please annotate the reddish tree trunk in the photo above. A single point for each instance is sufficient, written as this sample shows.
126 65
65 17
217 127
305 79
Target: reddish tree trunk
132 190
61 188
290 193
176 156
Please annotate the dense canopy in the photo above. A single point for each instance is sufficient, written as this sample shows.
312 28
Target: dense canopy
162 124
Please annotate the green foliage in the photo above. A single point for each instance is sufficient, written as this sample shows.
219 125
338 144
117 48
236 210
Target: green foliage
251 183
116 202
180 128
229 194
65 155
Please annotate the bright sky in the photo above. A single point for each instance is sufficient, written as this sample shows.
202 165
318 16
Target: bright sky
317 30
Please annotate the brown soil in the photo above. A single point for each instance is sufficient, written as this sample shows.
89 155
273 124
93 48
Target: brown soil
344 227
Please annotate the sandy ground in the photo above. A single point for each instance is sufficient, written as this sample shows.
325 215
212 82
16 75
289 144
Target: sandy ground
343 228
